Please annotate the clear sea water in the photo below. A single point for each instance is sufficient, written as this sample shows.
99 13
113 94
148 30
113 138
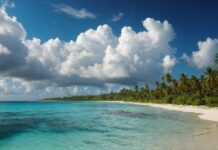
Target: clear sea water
94 126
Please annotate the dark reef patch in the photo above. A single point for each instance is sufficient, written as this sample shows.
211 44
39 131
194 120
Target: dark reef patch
140 115
12 124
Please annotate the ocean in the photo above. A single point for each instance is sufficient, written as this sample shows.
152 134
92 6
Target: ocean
94 126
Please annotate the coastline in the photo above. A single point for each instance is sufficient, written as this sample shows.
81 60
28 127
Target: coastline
203 112
202 139
205 139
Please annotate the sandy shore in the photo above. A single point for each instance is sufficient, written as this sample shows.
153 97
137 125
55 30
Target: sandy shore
206 139
204 112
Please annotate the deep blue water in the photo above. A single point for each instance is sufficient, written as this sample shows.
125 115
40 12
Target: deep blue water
94 126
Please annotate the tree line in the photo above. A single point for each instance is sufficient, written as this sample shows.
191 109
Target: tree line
202 90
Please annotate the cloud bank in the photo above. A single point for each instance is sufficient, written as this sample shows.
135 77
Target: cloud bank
95 58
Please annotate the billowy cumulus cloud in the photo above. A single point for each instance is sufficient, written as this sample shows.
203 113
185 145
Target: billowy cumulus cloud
74 12
96 58
205 55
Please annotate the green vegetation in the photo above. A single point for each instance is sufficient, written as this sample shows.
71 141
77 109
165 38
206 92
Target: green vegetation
186 90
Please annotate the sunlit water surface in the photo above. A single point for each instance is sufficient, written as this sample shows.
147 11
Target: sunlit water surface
94 126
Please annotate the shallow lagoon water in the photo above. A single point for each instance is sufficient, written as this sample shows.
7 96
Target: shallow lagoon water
94 126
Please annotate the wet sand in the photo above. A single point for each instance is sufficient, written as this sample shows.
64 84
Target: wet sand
207 140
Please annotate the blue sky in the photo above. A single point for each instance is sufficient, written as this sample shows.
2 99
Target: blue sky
193 21
188 21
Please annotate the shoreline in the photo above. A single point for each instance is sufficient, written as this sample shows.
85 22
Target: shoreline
205 139
202 139
203 112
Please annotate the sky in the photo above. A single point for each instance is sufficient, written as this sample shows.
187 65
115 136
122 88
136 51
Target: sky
71 47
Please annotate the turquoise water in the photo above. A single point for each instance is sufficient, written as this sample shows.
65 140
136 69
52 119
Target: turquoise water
93 126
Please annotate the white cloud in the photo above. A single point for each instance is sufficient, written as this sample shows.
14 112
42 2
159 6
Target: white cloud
73 12
117 17
137 56
131 58
7 3
205 56
168 63
12 34
96 58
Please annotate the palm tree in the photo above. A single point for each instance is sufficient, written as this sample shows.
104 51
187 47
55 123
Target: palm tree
210 77
157 85
216 60
175 87
136 88
209 72
146 90
195 84
184 84
160 86
216 74
146 87
168 78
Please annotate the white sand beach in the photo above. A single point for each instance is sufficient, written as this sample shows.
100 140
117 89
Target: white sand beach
205 140
204 112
